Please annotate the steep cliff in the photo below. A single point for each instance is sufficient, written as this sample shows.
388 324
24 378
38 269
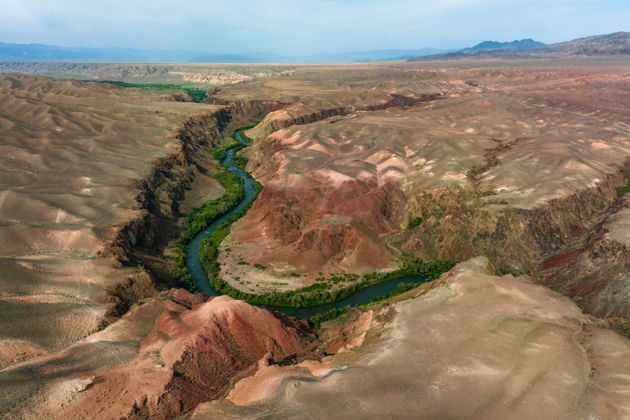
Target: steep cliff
596 272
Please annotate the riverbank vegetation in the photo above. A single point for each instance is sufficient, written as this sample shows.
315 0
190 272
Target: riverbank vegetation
201 217
197 94
319 293
621 191
318 319
415 222
326 290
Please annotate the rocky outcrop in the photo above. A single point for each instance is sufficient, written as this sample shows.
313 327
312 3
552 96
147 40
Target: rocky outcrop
596 273
160 192
456 226
281 119
252 109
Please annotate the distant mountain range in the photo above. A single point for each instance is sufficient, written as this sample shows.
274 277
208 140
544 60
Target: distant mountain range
617 43
610 44
523 44
41 52
52 53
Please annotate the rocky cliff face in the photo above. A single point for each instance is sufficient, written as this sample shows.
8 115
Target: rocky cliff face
596 272
485 174
458 224
73 153
283 118
144 238
315 216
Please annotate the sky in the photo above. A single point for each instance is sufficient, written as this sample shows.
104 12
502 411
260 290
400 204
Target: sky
299 27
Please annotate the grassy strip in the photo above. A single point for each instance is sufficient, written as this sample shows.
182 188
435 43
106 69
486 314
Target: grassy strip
318 319
198 94
415 222
318 293
201 217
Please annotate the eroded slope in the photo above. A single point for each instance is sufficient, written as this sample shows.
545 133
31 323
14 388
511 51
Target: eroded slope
160 360
512 163
71 156
478 346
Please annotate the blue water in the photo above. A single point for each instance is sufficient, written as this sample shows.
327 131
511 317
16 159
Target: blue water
203 285
192 249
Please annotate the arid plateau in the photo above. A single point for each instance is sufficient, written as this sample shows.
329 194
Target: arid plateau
508 180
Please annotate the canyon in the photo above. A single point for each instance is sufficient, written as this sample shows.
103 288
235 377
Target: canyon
519 171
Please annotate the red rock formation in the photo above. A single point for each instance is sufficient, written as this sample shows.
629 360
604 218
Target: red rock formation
158 361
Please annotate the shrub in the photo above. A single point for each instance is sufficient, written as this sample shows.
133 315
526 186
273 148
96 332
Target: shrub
621 191
415 222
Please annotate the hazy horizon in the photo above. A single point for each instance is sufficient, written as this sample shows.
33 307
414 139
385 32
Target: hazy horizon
292 27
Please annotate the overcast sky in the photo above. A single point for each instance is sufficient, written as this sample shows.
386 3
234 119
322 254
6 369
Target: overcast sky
304 26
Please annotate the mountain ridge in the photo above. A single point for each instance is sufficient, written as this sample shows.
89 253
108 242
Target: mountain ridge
522 44
11 52
616 43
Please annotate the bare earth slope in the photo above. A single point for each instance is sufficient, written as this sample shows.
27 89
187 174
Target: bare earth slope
190 74
158 361
525 165
512 163
71 155
480 346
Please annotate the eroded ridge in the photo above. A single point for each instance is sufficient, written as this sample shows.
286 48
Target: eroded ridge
71 155
526 351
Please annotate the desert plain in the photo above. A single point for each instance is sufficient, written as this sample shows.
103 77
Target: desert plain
518 170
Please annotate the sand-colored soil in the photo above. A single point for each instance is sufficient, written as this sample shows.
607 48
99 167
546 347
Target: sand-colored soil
187 74
512 163
517 162
480 346
71 154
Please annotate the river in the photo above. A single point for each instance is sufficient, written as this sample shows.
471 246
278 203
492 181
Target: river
203 285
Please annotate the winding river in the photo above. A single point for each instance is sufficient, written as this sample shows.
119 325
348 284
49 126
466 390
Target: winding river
203 285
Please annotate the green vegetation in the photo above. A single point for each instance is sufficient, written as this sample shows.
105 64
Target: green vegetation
621 191
318 293
201 217
322 292
504 270
318 319
197 94
400 289
415 222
